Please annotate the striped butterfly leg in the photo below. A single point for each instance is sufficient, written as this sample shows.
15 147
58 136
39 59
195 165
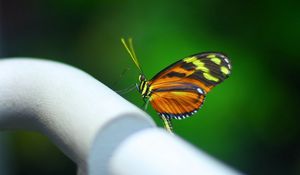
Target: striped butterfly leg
167 121
168 124
126 90
146 103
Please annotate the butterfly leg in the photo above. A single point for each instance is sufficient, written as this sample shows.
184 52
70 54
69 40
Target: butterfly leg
146 103
125 91
168 124
167 121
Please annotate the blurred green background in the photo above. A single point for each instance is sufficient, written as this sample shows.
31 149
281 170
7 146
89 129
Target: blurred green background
251 121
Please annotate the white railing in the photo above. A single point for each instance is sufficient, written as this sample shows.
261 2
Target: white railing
94 126
4 161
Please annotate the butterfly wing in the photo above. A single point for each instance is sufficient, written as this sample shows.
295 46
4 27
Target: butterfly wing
177 103
179 90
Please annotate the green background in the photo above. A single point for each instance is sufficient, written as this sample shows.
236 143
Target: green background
250 121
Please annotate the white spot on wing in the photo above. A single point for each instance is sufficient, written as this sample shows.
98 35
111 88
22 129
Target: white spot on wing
200 90
226 60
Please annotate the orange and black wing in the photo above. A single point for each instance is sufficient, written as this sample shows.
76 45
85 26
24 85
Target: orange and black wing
177 104
179 90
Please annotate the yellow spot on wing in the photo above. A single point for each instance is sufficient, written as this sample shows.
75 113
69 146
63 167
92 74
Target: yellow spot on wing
202 68
199 65
225 70
210 77
216 60
211 56
190 59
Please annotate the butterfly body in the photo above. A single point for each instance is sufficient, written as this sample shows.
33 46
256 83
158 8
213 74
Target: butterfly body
179 90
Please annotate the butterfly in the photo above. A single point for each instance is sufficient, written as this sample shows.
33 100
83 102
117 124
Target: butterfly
179 90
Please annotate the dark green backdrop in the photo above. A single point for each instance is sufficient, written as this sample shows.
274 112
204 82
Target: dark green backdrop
250 121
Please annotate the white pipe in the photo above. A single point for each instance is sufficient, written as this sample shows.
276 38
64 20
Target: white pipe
62 102
99 130
154 151
4 152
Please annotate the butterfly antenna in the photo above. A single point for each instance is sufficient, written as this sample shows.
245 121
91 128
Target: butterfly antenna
120 76
130 50
168 124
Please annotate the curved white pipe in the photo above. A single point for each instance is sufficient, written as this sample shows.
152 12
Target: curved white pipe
156 152
99 130
62 102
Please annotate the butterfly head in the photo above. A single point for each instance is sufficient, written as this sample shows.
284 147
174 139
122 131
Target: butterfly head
142 78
